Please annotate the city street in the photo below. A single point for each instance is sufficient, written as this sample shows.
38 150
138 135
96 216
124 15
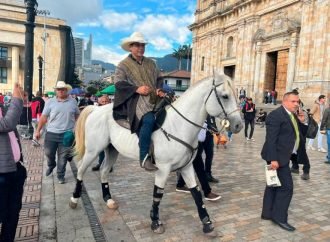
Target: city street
236 215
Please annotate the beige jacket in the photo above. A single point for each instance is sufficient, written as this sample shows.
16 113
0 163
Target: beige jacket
316 111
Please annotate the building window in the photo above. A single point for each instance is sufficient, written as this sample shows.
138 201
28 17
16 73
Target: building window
3 75
230 43
202 64
165 81
3 52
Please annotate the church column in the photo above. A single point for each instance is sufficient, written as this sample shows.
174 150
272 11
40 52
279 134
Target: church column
15 65
256 90
292 62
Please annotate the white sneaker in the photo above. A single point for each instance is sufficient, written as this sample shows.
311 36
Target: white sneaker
247 139
252 139
322 150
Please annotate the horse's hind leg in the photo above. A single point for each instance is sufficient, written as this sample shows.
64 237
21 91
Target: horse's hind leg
189 177
111 155
85 162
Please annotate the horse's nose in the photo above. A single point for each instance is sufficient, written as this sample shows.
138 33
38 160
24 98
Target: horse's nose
238 126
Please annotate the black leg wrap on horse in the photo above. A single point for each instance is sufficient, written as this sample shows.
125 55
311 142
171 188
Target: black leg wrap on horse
203 215
158 195
77 190
105 191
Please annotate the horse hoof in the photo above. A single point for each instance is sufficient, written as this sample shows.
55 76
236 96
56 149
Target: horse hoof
73 204
157 227
112 204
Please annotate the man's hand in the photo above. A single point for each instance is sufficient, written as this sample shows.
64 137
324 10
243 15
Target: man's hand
18 91
37 135
274 165
143 90
323 131
160 93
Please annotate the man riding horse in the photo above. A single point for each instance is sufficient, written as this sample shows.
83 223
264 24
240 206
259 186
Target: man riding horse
138 84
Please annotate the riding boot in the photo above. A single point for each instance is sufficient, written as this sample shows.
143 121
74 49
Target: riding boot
147 164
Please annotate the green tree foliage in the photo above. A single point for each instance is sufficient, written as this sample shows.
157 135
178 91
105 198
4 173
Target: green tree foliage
92 90
182 52
75 81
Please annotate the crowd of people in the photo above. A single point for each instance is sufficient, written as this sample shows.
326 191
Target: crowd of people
138 91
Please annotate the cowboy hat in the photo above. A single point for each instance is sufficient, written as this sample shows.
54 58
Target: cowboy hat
62 84
136 37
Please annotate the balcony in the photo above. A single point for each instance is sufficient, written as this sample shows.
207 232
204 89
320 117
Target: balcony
5 62
180 88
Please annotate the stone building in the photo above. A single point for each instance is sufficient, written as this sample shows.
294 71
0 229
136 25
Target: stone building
265 44
59 51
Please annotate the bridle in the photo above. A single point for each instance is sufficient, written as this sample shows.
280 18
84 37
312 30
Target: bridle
192 149
214 89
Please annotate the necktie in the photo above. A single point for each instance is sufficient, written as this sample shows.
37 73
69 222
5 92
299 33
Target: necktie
296 129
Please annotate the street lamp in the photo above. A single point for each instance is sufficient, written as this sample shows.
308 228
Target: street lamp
44 39
29 44
40 61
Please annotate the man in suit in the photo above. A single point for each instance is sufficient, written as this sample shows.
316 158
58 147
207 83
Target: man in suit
285 127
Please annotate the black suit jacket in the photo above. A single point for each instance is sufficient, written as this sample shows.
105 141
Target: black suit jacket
280 137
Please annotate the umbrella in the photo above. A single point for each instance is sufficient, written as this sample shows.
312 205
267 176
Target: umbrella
110 90
77 91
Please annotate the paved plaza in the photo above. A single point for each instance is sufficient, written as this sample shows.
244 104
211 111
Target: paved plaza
46 214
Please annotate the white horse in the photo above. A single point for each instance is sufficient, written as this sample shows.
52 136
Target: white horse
174 144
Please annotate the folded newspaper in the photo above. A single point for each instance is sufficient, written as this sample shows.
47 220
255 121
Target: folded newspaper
271 177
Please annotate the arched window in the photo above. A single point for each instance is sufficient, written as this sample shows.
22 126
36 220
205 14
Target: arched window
230 42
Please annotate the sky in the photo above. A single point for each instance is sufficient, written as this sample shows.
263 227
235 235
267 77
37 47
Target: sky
163 23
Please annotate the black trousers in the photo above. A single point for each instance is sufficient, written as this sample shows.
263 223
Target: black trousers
199 169
277 199
11 192
208 146
247 123
295 163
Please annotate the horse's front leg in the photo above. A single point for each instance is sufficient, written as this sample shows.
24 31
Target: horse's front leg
88 158
160 181
111 155
188 175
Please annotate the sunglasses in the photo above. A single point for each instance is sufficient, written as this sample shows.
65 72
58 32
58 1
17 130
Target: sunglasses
138 44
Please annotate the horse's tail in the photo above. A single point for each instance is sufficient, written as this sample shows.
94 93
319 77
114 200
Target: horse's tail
80 131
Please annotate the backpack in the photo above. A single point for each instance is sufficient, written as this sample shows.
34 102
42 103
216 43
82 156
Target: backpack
313 127
35 109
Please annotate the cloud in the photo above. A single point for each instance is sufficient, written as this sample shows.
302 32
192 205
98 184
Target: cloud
114 21
73 11
107 54
163 30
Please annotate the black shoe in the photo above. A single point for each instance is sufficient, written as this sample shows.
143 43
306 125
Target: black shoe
49 171
148 165
294 170
265 218
305 176
210 178
285 226
96 168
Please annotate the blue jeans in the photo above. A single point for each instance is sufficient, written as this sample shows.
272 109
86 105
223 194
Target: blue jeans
147 126
328 141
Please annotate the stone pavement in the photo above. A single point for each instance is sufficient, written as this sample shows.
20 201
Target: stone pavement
236 216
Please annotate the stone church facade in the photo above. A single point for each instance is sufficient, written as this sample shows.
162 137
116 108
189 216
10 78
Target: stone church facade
264 45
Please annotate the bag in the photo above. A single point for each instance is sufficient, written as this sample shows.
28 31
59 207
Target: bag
313 127
271 177
68 138
35 109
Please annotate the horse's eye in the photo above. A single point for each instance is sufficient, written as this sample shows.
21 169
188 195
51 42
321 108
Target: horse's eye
225 96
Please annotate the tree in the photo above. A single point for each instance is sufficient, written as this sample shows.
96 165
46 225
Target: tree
98 85
187 53
179 55
75 81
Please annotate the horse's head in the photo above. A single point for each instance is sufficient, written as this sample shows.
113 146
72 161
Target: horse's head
221 101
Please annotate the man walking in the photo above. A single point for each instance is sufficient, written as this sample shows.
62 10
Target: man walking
60 114
317 113
284 129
